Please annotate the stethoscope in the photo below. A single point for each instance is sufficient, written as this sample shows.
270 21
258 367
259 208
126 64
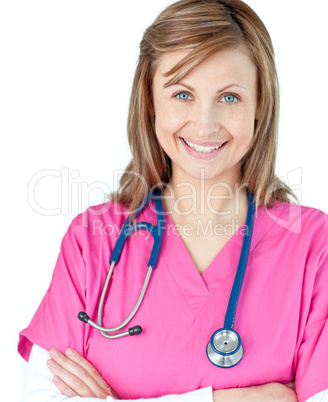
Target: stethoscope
225 348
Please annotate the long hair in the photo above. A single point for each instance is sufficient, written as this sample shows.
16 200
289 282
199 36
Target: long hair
202 27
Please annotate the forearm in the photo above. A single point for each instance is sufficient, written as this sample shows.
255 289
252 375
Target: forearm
236 394
39 386
267 392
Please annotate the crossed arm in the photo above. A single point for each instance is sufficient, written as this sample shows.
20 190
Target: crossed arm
71 376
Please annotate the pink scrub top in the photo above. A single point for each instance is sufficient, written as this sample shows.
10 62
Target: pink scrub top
281 315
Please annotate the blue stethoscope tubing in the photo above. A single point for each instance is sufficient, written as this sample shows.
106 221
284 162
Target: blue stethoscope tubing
127 229
225 348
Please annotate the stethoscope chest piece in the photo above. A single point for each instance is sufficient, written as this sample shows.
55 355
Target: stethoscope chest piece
225 348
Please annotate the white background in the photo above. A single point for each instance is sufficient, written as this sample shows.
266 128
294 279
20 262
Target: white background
66 72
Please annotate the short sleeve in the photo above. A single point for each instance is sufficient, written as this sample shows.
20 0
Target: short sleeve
312 358
55 323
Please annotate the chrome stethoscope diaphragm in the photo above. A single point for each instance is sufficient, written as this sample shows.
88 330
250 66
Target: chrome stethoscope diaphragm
225 349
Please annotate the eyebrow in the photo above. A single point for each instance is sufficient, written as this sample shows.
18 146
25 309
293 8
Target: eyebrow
193 89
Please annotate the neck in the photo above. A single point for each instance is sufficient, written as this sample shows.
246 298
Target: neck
204 199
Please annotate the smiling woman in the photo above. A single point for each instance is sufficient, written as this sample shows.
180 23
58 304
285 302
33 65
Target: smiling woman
202 127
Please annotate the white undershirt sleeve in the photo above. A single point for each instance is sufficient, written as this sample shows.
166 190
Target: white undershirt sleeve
320 397
40 388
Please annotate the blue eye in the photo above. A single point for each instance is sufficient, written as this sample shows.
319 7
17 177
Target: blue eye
230 98
184 96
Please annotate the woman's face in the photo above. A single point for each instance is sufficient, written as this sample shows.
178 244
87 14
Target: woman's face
206 121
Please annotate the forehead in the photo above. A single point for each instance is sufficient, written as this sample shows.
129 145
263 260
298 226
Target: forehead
231 63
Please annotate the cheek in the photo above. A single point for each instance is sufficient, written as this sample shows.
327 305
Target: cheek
240 125
168 121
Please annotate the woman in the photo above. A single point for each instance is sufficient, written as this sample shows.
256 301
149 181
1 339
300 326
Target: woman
202 127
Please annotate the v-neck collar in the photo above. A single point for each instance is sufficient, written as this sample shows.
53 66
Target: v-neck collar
181 265
196 287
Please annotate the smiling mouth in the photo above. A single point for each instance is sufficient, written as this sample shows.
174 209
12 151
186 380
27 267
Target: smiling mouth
200 148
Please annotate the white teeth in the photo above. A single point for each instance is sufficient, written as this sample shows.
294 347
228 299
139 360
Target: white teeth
200 148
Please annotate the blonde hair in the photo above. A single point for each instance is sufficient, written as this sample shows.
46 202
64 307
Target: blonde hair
203 27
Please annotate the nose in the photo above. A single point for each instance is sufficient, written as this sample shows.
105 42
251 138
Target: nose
205 120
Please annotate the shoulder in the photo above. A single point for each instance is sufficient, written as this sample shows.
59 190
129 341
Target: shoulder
102 220
295 218
293 228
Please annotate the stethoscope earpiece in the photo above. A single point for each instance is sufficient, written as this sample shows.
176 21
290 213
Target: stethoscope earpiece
225 349
127 229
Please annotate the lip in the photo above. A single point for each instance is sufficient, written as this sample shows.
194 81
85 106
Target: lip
203 143
204 155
